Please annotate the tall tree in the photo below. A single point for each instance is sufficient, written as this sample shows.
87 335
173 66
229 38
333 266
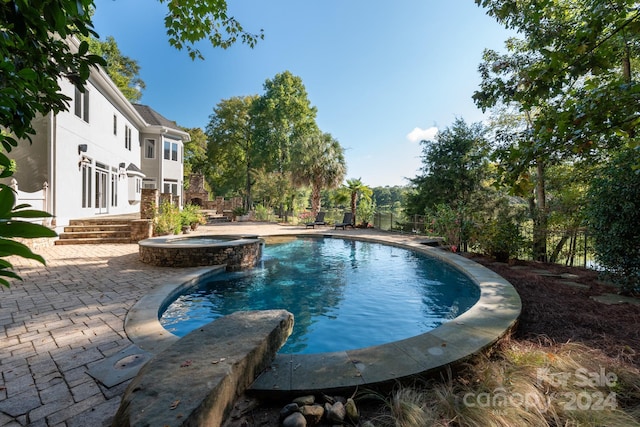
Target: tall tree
318 161
231 147
195 153
124 71
453 167
572 70
571 76
284 116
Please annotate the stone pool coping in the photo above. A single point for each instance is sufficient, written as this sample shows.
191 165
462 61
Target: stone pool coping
495 313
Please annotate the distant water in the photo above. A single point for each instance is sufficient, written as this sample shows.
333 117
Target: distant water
343 294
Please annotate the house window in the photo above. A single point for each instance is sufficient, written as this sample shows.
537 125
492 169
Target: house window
114 187
170 150
86 185
127 137
81 104
174 151
149 148
115 124
149 183
170 187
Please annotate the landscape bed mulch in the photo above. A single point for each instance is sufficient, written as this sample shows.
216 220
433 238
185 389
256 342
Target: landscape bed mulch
558 312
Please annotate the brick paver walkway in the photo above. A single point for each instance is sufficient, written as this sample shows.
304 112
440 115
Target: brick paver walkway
59 321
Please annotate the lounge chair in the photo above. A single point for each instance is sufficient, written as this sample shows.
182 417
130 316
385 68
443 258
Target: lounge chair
318 221
347 221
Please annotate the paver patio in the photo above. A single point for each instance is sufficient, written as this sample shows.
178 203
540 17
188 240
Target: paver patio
68 316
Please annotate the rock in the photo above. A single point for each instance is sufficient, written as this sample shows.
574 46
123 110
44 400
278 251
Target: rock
295 420
289 409
312 413
367 424
182 380
352 410
336 413
305 400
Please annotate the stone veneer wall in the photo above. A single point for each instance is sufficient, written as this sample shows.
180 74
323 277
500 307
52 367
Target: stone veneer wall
236 254
149 203
141 229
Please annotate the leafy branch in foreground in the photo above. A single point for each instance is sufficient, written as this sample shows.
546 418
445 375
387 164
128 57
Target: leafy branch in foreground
10 227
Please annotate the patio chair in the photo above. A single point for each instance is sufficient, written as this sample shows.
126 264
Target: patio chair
318 221
347 221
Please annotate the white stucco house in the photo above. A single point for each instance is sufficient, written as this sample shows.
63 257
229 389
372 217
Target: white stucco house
96 157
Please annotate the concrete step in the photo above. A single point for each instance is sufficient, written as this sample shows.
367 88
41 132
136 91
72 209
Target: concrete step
92 241
95 234
97 227
99 221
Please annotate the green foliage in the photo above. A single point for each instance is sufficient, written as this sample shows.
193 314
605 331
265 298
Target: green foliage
613 214
318 161
35 55
283 117
501 236
231 149
124 71
366 209
579 87
191 21
10 227
262 213
192 214
195 153
453 167
168 219
356 189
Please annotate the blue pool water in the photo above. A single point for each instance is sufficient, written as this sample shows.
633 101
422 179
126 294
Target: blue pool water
343 294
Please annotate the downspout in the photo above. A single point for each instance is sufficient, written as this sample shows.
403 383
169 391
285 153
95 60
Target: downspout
51 155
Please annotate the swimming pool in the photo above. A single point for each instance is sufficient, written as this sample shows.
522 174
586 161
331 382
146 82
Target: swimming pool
344 294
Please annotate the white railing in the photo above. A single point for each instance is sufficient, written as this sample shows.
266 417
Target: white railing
38 200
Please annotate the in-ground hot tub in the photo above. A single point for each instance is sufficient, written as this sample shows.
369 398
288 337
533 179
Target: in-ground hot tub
236 252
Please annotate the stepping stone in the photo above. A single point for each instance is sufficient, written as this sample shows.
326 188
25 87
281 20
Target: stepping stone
569 276
575 285
615 299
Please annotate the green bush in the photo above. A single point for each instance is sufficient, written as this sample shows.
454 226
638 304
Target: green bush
613 214
191 214
262 213
500 237
168 220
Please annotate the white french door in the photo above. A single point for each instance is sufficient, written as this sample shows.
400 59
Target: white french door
102 185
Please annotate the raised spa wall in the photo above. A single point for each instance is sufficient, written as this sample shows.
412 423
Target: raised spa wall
237 254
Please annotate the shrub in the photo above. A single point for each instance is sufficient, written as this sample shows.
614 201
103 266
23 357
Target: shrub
168 220
191 214
500 236
262 213
613 214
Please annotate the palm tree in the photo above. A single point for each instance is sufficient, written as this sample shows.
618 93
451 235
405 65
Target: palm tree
356 188
319 162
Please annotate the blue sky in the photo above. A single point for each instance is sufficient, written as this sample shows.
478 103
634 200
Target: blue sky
381 77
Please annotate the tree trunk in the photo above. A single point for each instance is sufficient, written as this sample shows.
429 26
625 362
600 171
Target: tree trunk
315 200
539 215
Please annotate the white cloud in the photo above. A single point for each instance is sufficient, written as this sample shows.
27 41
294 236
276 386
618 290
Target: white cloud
417 134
